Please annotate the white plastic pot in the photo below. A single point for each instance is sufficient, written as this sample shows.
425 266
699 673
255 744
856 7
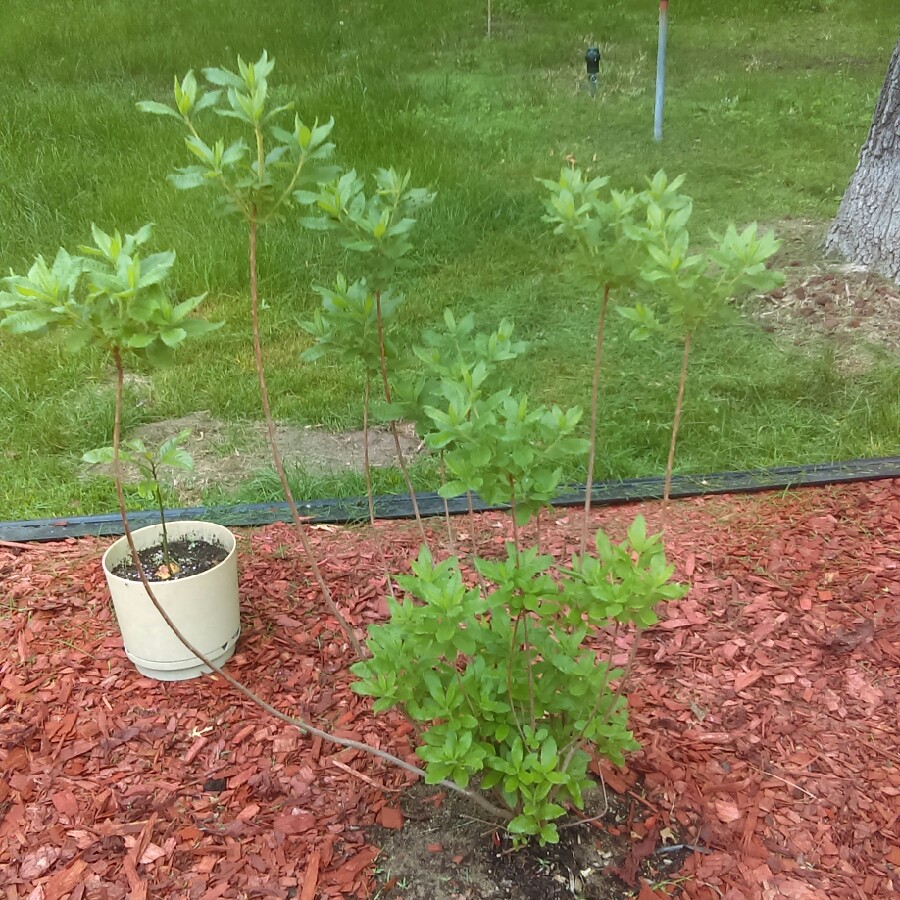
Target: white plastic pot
204 607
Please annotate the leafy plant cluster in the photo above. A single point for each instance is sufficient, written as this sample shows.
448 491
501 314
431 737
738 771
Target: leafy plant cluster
257 179
506 679
112 296
628 240
109 295
504 676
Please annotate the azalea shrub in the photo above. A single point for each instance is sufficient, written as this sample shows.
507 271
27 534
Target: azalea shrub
507 678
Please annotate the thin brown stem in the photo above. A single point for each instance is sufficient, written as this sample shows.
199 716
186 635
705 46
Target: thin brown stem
476 549
679 402
367 469
569 750
367 474
276 453
509 664
573 745
595 394
382 359
450 542
300 724
530 672
513 511
626 673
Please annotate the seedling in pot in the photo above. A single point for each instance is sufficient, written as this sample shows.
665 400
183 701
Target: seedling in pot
148 461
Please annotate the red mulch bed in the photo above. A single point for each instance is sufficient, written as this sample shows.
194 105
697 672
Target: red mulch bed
765 701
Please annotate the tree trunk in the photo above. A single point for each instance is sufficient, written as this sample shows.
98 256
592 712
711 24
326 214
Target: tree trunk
866 230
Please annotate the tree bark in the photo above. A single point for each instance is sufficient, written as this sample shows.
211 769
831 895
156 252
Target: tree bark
866 230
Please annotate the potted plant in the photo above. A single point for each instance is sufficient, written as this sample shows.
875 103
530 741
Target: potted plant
111 297
193 565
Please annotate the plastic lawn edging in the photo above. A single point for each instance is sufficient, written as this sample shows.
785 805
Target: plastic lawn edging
354 509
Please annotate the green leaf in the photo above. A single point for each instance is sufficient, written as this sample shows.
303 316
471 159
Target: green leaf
172 337
100 455
26 321
549 834
223 78
157 109
139 341
185 181
210 98
160 355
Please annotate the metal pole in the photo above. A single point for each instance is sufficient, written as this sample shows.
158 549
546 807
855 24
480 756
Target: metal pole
661 69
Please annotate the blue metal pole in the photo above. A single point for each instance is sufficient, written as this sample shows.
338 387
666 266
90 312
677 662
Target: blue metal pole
661 69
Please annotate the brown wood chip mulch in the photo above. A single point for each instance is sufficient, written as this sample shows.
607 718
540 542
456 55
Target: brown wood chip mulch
766 703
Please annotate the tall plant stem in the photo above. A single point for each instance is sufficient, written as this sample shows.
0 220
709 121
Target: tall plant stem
569 750
522 616
167 556
679 402
512 510
382 359
367 468
367 473
300 724
450 542
490 18
528 663
595 394
276 453
476 548
509 664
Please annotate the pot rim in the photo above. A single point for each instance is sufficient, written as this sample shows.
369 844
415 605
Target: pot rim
161 581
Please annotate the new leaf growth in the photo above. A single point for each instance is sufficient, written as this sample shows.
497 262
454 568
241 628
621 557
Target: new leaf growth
148 462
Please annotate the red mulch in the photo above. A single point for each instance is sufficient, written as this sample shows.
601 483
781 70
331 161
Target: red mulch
765 701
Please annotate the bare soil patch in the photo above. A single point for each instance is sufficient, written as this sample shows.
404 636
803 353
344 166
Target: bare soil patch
228 454
443 850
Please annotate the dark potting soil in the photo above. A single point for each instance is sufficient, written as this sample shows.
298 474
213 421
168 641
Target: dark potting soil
191 556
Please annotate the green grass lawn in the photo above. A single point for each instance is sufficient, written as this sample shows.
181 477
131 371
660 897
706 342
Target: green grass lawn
767 106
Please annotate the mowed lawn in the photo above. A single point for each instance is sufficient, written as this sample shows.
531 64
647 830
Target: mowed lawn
767 106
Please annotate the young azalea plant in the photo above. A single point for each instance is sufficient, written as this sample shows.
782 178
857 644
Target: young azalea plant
455 356
693 289
377 227
611 244
505 676
257 179
111 297
149 462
